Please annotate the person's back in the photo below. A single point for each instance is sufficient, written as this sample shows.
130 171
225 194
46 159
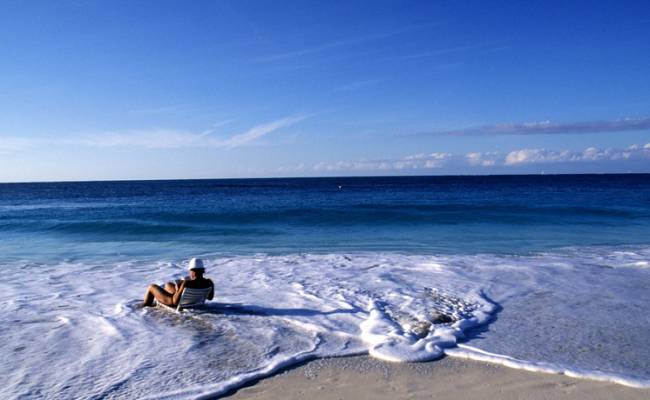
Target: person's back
200 283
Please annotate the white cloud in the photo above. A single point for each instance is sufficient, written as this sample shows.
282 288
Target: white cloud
348 42
530 156
256 132
355 85
11 143
450 50
161 139
483 159
291 168
548 127
424 161
411 162
153 138
540 156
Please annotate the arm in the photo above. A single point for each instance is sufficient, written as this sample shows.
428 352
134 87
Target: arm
179 291
211 295
178 281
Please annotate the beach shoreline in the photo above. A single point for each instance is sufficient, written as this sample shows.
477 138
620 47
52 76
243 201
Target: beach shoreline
364 377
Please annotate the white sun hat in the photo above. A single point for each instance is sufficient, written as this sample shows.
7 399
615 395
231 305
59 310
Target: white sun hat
195 263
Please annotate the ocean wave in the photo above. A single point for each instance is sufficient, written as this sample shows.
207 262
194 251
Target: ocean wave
137 221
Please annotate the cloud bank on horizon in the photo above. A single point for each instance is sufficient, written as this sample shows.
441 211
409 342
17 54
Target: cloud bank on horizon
423 162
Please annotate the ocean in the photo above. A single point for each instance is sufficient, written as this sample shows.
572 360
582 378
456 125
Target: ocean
546 272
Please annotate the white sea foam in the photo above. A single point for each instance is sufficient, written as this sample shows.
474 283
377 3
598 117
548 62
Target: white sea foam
60 205
468 352
76 328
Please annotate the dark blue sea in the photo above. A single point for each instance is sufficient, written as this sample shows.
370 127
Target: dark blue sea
546 272
468 215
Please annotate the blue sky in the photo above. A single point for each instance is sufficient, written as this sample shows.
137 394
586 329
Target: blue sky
222 89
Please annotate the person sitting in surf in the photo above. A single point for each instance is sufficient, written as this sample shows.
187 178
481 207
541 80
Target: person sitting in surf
170 295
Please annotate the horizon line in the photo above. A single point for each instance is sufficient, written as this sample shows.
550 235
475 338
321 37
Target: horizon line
322 177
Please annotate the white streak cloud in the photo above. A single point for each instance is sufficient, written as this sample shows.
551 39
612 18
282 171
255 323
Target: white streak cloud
153 139
257 132
349 42
355 85
10 144
548 127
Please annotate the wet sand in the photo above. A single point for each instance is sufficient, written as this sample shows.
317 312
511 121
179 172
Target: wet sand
362 377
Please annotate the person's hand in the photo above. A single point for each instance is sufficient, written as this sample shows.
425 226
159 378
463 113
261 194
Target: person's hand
177 295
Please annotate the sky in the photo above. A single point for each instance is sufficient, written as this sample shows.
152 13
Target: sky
103 90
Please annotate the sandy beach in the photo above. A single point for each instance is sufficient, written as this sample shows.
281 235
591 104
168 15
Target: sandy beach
363 377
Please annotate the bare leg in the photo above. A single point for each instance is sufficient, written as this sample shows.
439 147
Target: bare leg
170 287
158 293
